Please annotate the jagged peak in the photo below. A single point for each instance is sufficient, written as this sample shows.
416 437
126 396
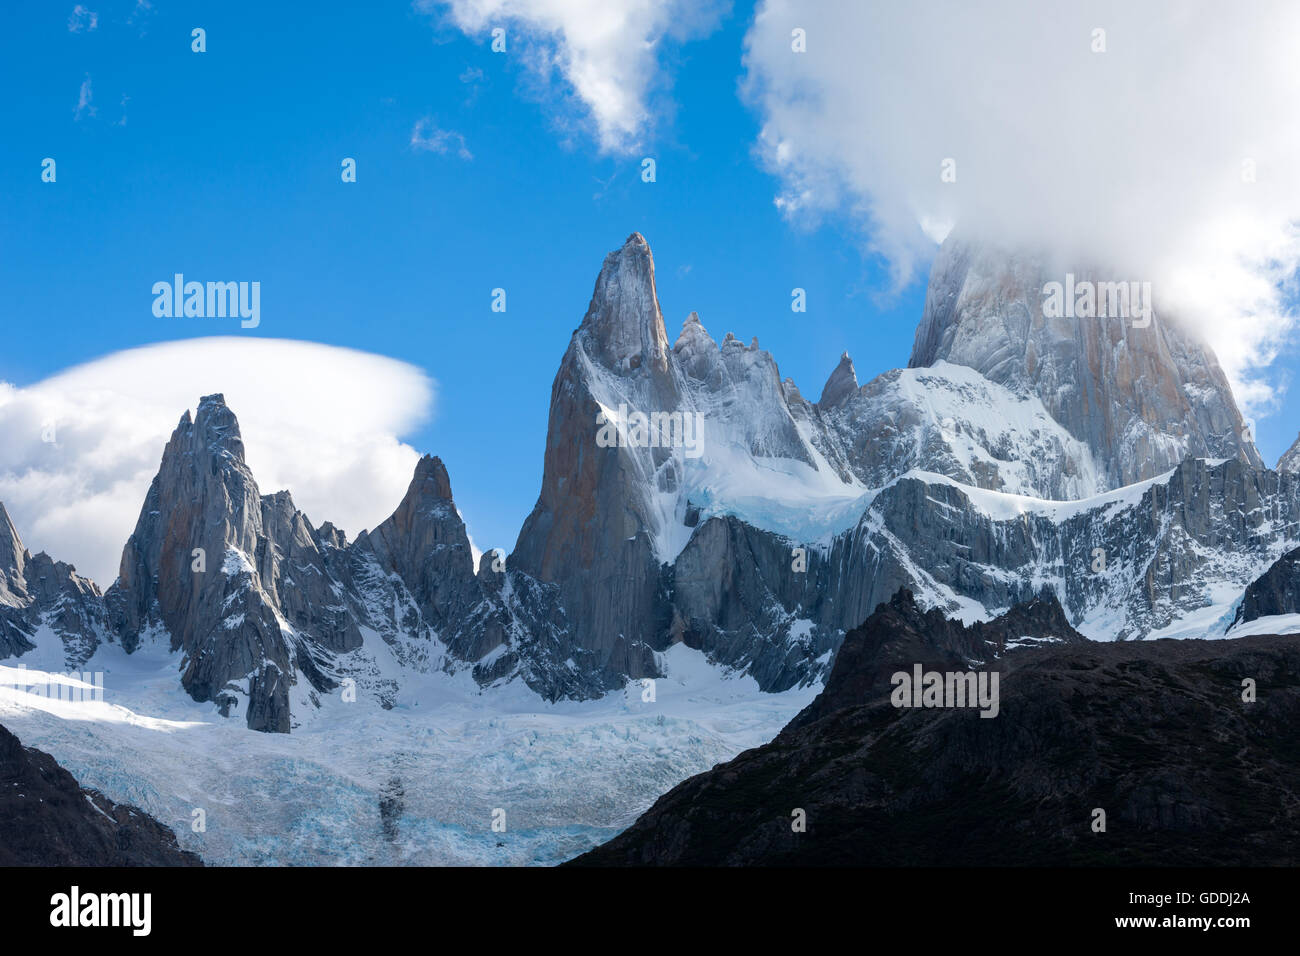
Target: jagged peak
12 549
333 535
214 413
213 427
791 390
624 327
1290 460
430 480
693 335
841 385
486 560
280 500
903 599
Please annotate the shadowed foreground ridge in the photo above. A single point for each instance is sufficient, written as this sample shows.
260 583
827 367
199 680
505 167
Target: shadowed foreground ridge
1154 733
48 819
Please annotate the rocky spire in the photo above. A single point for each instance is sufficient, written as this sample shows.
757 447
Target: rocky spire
222 570
203 499
697 354
592 529
38 591
424 542
16 621
623 328
842 384
12 554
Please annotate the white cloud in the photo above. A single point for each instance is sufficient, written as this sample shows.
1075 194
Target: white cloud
1131 158
427 137
606 52
321 421
82 19
140 13
85 99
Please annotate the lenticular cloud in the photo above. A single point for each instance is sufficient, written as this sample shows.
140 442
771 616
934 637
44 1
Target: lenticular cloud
82 446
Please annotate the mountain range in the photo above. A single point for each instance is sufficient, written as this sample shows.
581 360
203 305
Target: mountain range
1100 462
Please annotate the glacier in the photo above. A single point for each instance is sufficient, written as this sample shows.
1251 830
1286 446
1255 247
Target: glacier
568 775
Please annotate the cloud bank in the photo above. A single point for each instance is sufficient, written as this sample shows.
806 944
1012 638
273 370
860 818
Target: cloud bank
1171 156
321 421
605 53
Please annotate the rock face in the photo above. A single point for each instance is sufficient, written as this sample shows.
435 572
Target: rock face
592 531
47 819
1290 460
1154 733
37 591
950 420
238 581
899 633
425 545
1142 399
1276 591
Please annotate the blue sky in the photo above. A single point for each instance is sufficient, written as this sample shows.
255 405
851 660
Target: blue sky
225 165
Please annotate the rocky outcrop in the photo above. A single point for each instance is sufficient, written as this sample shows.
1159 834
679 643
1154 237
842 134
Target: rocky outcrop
238 582
269 611
36 591
1123 565
596 529
47 819
950 420
899 634
1290 460
1154 734
1276 591
1142 399
841 386
424 543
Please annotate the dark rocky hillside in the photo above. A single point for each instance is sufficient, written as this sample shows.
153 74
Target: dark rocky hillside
1276 591
48 819
1156 734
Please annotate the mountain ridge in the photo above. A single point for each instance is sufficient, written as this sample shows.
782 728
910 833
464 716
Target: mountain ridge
762 545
